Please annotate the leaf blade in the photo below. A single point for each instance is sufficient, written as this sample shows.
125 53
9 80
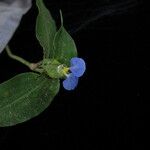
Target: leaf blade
45 29
64 46
35 94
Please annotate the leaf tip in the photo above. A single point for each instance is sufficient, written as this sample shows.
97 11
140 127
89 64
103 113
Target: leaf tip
61 17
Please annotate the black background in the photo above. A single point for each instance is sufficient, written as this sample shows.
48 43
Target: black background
110 107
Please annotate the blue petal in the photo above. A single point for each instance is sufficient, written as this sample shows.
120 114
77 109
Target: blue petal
70 82
78 66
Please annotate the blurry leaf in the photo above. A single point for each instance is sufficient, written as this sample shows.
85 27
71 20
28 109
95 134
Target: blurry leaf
45 29
65 47
11 12
25 96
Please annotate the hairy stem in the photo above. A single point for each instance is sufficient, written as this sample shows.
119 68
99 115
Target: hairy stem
32 66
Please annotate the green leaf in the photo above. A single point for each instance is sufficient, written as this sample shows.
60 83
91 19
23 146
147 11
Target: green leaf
65 47
25 96
45 29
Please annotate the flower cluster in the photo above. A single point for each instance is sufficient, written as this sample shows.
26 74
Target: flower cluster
77 69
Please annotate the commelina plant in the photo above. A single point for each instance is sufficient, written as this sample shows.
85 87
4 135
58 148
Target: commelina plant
28 94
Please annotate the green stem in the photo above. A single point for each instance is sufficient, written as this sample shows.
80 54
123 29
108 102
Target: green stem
32 66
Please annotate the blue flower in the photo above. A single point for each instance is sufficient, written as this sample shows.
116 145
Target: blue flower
77 69
70 82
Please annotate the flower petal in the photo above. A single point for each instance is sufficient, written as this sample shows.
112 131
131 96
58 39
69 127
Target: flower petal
78 66
70 82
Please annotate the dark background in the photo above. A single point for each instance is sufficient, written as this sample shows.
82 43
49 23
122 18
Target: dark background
110 107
